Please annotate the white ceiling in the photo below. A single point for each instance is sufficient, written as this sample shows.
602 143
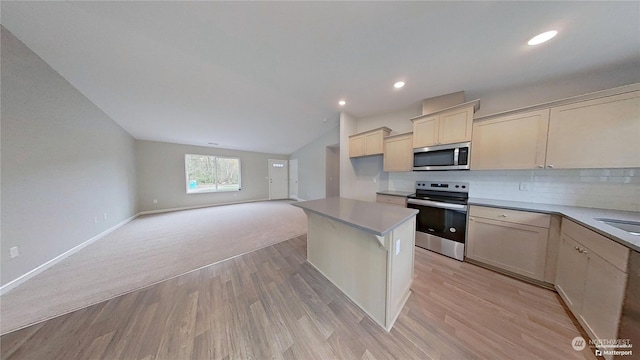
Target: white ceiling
263 76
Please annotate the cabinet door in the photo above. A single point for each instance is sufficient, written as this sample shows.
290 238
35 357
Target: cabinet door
398 153
571 273
521 249
603 295
356 146
510 142
425 132
456 126
373 143
600 133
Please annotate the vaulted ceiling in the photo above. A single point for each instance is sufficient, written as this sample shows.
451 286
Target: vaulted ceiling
267 76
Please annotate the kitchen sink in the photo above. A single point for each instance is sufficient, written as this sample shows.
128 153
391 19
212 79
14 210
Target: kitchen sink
632 227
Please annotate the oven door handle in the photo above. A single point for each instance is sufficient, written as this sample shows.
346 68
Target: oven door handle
437 204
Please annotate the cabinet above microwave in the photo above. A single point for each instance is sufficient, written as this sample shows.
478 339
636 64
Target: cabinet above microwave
447 126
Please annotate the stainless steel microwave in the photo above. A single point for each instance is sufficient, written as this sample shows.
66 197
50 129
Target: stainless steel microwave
442 157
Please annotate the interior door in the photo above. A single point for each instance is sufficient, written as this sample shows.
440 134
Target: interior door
278 179
332 172
293 178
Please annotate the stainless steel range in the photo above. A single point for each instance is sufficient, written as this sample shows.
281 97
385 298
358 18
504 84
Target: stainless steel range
442 219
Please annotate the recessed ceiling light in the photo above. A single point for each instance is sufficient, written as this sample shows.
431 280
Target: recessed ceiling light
342 103
545 36
398 85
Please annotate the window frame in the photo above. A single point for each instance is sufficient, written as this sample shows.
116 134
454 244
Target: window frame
216 189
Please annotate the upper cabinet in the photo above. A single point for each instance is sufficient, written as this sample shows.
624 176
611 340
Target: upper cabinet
447 126
600 132
510 142
368 143
398 153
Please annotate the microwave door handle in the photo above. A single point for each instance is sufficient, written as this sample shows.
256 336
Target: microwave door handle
456 153
437 204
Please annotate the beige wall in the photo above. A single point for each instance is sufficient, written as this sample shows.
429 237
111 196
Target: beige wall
312 172
348 126
545 90
398 121
161 176
65 163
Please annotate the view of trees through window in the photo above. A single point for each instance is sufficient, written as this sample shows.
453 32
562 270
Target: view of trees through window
212 173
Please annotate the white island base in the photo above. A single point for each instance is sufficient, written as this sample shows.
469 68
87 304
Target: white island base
374 270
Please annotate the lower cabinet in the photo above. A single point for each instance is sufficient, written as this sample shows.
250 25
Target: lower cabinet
590 273
515 241
591 278
392 200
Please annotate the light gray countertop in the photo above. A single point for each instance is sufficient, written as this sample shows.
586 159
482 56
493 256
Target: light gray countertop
582 215
373 217
395 193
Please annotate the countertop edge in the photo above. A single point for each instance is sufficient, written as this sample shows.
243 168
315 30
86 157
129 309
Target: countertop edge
394 193
371 231
581 215
414 212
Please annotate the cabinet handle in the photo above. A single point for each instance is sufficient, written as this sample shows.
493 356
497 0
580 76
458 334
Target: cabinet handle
503 215
541 166
550 166
470 219
580 250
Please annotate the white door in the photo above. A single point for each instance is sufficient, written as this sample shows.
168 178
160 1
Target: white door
293 178
278 179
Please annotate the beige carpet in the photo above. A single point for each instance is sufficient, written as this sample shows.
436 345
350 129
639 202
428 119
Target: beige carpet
145 251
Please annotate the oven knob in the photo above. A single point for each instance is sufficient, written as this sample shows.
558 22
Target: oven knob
452 230
457 186
463 186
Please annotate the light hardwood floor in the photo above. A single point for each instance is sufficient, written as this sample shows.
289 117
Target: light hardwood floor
271 304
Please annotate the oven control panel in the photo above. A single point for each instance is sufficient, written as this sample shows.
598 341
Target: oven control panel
443 186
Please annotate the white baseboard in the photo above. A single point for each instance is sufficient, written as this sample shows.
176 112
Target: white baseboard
148 212
21 279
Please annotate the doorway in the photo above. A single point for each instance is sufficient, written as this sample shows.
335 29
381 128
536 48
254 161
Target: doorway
293 179
332 171
278 179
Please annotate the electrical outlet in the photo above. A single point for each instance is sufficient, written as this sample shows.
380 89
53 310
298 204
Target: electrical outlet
95 220
14 252
375 180
105 216
524 186
155 201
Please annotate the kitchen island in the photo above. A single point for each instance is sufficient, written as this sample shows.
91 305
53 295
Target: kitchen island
366 249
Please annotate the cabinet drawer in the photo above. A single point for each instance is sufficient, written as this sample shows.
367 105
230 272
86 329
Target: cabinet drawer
392 200
512 216
612 252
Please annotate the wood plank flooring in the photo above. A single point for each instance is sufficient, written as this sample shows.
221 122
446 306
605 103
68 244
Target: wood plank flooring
271 304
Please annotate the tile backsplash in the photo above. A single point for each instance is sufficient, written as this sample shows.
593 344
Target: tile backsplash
596 188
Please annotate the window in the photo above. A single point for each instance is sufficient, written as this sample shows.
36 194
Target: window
206 173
